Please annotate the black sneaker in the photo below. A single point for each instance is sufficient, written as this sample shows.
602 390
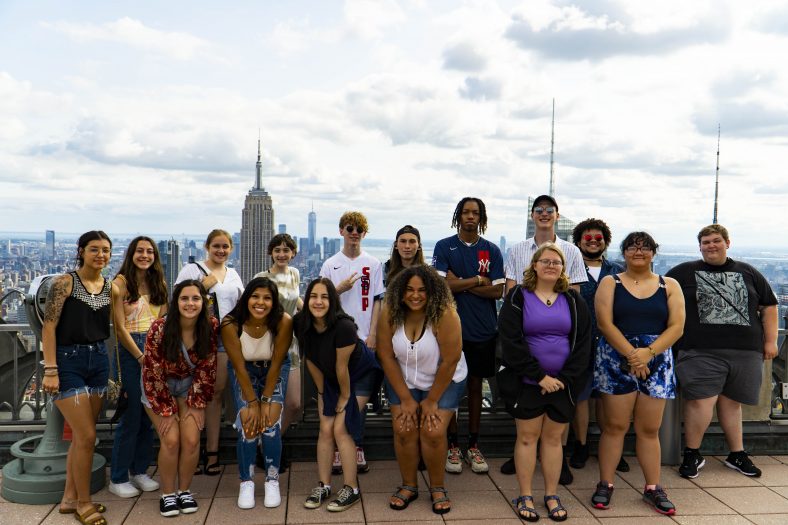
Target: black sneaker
622 466
319 493
579 455
345 499
601 497
741 461
168 506
186 502
566 477
691 464
508 467
659 500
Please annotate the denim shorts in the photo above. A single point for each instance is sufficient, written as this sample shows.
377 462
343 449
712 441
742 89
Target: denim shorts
450 399
177 388
82 369
369 383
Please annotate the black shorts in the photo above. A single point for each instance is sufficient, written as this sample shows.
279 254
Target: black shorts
532 403
480 357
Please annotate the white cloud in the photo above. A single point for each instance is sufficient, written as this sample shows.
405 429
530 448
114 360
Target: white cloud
370 19
172 44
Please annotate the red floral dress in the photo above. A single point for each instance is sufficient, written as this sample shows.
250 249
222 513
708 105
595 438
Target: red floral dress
157 369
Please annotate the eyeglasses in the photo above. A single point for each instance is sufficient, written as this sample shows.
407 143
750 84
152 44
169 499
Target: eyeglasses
631 250
550 262
350 228
597 237
541 209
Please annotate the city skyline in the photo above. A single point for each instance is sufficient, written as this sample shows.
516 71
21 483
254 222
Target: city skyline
131 117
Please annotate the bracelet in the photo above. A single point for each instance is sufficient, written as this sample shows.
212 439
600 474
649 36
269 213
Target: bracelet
255 400
140 356
478 280
653 352
50 373
320 393
53 367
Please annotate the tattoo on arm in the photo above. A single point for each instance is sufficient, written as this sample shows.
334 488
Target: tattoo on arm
56 297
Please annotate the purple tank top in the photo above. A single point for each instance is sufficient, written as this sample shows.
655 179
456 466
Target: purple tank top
546 330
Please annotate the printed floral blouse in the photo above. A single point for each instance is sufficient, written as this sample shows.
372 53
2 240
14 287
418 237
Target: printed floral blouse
157 370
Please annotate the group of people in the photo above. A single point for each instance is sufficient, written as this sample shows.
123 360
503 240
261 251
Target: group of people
573 326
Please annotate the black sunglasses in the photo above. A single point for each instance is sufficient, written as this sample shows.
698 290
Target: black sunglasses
349 228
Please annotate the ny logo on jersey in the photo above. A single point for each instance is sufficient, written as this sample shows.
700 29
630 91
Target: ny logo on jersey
484 262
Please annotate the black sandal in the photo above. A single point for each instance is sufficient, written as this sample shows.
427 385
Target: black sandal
442 499
520 503
406 500
212 469
553 514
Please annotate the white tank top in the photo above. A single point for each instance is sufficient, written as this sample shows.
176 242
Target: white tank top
257 349
419 359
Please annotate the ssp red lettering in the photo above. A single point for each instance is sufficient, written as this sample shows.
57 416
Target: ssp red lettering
365 288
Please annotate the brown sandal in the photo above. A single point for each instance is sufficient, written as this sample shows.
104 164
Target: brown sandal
92 511
72 510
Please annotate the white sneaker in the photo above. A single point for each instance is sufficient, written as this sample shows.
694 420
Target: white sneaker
272 496
144 483
246 495
124 490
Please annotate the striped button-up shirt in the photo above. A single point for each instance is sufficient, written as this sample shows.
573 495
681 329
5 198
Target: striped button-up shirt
520 256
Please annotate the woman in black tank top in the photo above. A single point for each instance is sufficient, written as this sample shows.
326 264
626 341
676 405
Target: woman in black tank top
640 315
76 323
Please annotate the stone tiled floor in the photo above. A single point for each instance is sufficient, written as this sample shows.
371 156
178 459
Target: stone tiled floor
719 495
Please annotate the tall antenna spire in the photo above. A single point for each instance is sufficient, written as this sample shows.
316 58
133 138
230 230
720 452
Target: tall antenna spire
258 181
552 147
717 178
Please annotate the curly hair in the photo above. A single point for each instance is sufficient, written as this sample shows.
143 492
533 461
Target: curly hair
530 278
456 219
356 218
240 312
439 296
591 224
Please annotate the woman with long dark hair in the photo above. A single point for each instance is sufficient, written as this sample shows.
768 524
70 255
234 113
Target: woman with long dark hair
420 349
346 373
76 368
545 332
141 299
256 335
406 252
224 287
178 375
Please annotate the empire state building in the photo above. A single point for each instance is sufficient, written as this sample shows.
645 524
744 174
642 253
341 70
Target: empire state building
257 226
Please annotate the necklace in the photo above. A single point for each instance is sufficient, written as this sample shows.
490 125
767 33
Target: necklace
546 300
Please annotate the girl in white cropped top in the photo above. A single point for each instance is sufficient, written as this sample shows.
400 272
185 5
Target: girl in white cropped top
256 336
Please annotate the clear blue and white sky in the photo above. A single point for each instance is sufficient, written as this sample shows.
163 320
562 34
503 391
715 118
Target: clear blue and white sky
143 116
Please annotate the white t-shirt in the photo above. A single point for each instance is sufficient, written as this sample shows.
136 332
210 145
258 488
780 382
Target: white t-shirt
358 301
227 292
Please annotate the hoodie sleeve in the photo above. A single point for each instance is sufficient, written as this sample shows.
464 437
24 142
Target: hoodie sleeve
516 353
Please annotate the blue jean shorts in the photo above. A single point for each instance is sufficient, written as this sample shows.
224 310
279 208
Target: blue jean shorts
82 369
177 388
450 399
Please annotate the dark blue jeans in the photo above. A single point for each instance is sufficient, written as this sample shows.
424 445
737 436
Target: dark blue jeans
133 446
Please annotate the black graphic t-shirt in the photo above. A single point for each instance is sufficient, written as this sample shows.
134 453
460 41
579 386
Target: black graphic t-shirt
722 304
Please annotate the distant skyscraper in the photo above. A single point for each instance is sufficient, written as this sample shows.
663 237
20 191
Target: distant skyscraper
312 229
257 226
563 226
502 245
283 228
171 258
50 236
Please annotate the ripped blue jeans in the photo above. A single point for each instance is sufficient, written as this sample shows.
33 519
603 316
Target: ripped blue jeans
82 369
246 449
